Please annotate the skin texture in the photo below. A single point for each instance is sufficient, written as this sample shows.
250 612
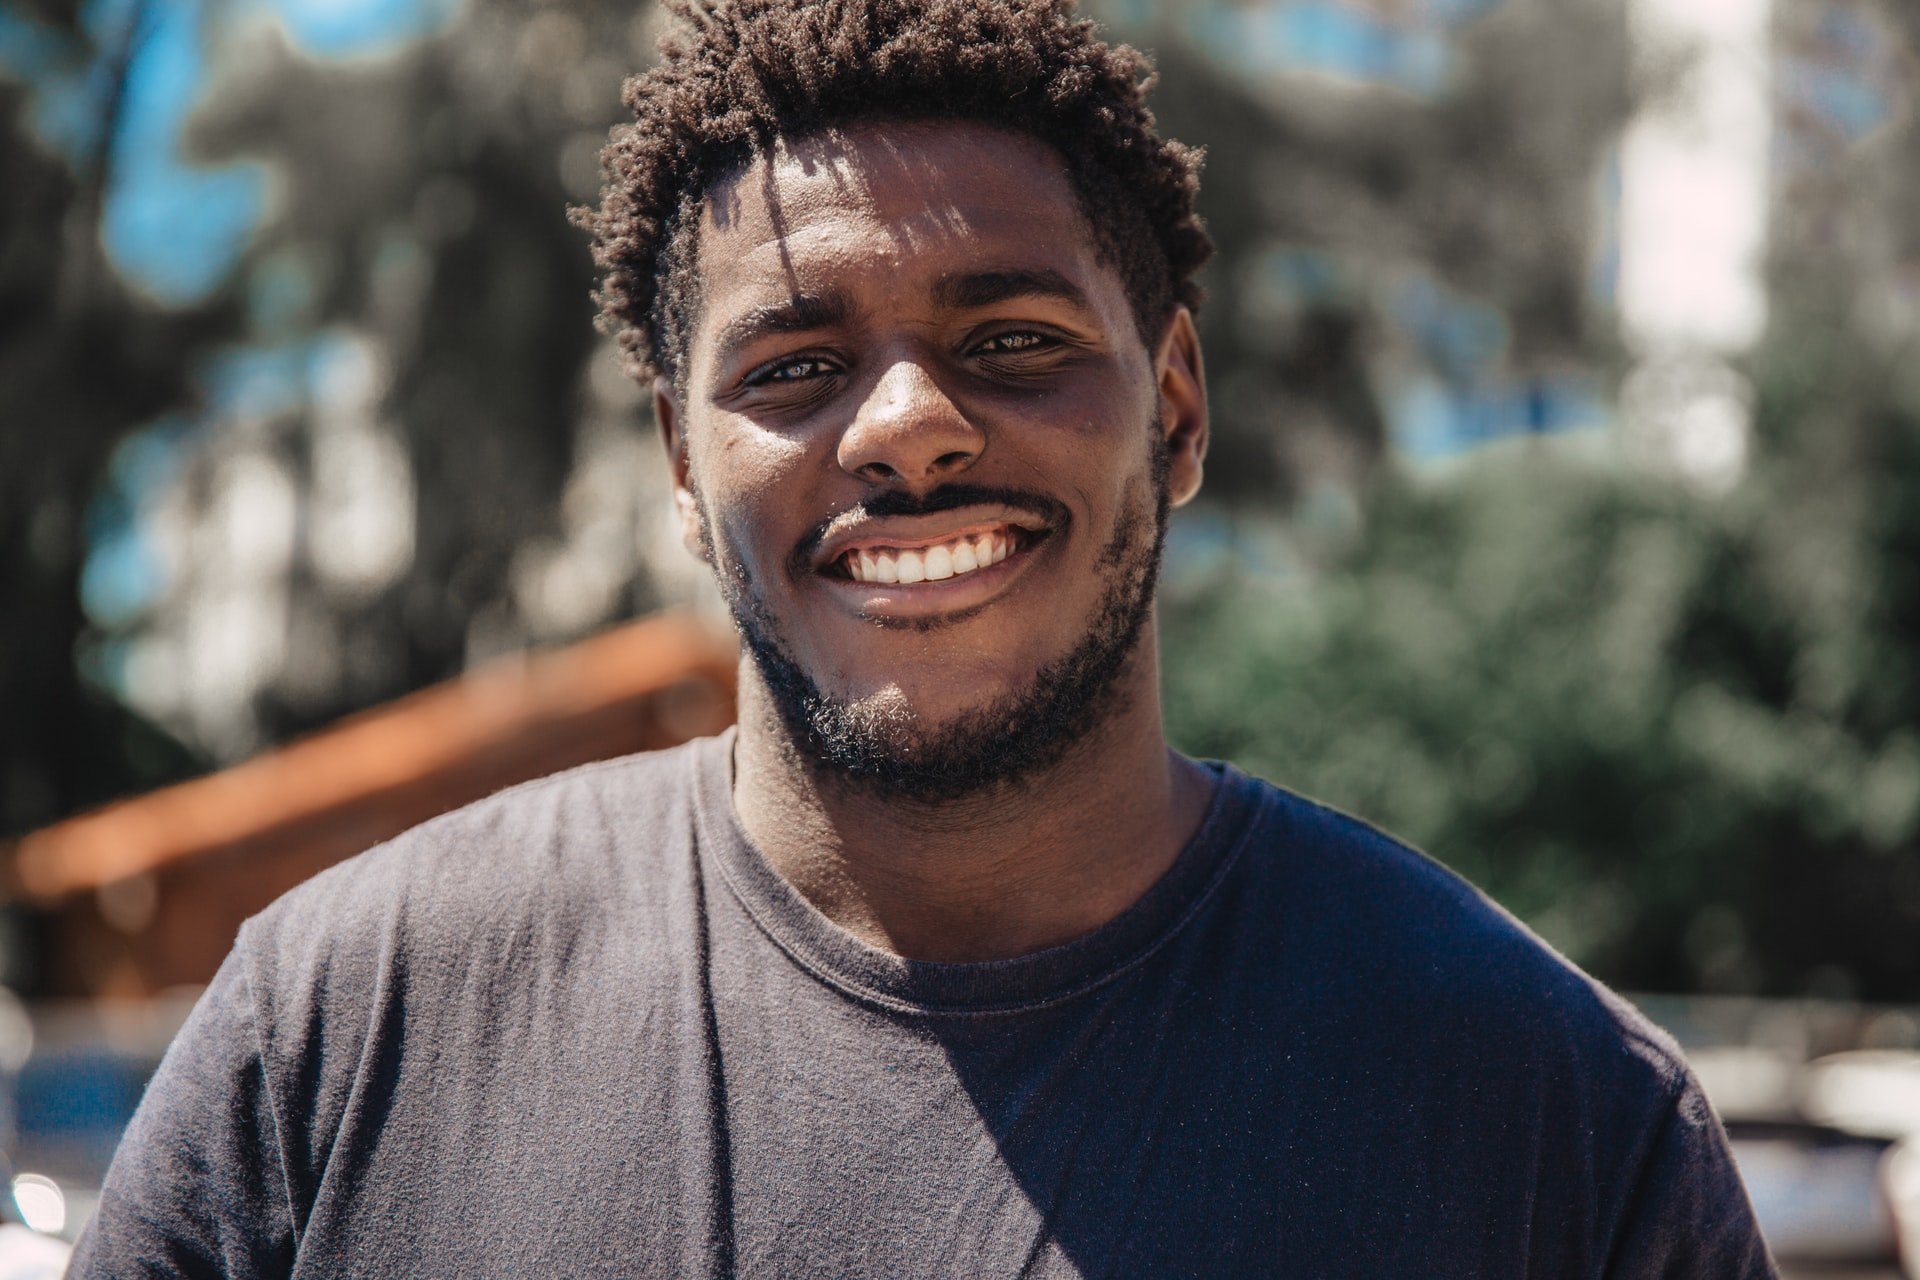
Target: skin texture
956 336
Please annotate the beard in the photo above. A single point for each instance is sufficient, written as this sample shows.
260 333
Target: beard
879 746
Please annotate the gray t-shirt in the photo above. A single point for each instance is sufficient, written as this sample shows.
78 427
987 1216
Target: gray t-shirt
583 1029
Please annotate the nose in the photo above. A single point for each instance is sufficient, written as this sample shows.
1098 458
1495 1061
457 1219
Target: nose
909 430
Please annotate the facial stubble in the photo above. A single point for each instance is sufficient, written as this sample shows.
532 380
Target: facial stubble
879 746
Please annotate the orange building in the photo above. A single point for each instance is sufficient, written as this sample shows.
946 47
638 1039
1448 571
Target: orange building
147 894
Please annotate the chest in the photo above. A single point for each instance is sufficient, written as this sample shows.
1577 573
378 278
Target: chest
760 1122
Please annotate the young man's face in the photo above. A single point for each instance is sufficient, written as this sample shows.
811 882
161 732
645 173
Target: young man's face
925 449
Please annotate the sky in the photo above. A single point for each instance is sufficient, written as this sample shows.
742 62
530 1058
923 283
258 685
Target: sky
177 229
174 228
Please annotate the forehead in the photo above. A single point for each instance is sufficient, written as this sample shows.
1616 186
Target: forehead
893 206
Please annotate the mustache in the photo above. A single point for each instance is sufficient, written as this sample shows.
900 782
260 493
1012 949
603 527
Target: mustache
895 502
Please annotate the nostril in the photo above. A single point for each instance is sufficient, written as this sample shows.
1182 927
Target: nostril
949 460
879 471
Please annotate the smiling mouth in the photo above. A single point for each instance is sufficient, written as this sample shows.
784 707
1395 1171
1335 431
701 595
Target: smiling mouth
934 560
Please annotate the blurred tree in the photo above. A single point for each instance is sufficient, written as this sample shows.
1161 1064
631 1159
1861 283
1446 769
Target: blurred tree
82 358
1679 736
1673 731
1369 233
418 411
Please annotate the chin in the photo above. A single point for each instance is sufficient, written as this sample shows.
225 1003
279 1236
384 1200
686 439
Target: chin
926 705
886 742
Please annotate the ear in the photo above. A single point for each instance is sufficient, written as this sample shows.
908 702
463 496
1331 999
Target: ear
673 435
1182 381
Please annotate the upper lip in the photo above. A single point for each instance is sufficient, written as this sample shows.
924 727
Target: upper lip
854 529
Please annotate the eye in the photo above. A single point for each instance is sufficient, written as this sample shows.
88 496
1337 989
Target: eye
1013 343
792 369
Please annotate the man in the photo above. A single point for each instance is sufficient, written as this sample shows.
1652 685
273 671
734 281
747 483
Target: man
943 964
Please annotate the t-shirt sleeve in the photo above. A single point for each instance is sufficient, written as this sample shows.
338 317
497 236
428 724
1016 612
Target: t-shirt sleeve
197 1186
1689 1215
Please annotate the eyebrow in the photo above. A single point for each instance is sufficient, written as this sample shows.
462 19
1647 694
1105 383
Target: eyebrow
798 314
985 288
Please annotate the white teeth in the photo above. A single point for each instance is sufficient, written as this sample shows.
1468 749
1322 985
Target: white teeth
928 564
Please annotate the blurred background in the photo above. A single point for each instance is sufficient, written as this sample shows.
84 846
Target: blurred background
1563 514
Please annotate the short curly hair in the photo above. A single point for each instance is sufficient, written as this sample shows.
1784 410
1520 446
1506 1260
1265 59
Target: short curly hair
735 75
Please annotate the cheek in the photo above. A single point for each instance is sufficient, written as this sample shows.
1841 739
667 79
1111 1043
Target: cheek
752 465
751 491
1115 461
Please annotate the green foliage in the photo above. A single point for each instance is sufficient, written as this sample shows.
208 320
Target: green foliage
1676 734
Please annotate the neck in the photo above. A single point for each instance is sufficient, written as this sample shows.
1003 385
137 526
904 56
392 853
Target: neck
1028 865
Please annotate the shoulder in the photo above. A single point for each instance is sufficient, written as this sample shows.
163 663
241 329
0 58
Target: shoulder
414 969
1402 940
544 858
1419 1022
